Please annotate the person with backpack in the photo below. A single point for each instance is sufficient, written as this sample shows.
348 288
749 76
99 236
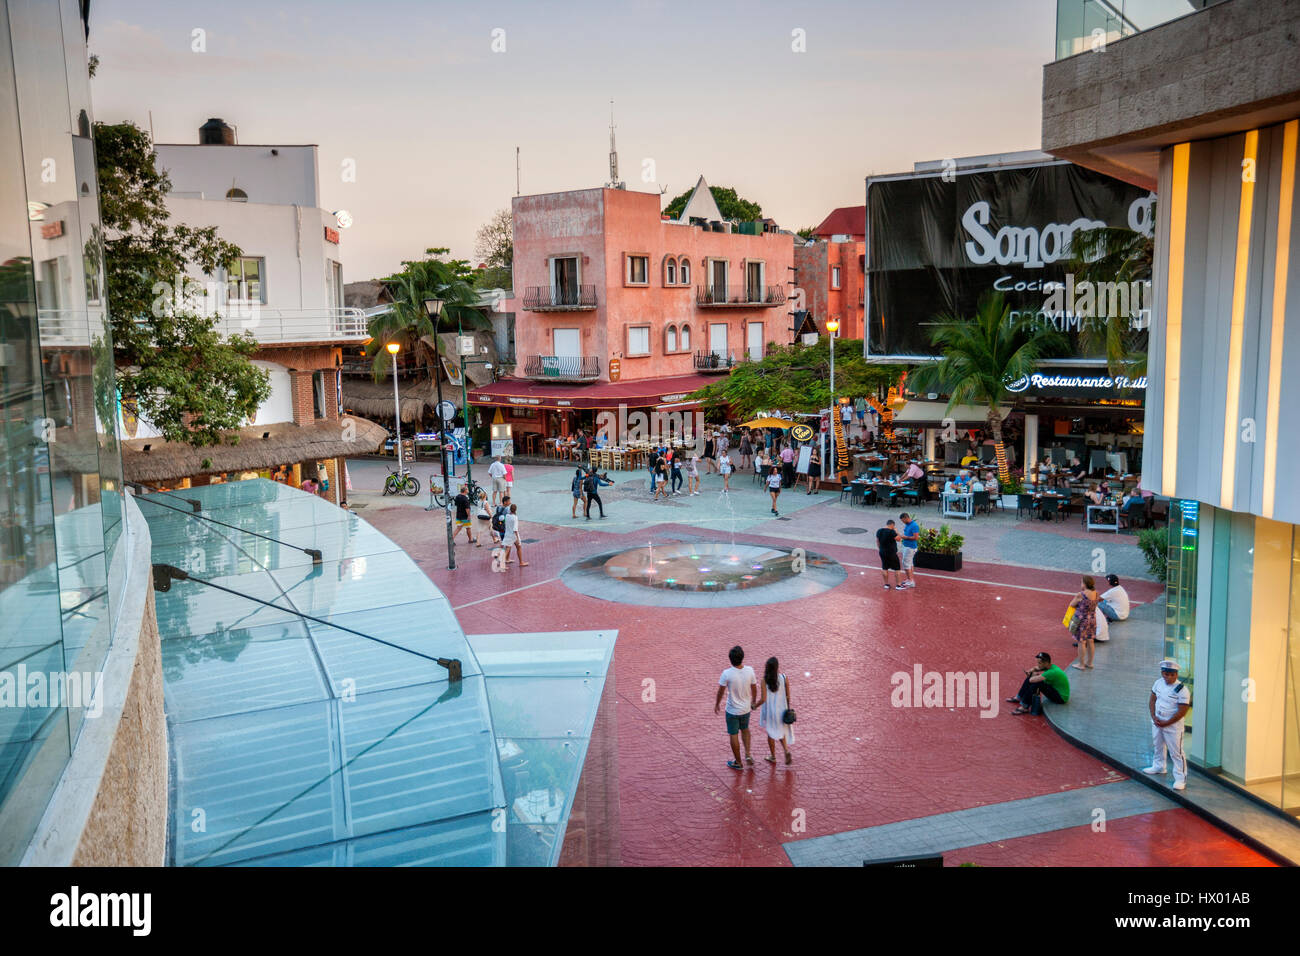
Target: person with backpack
499 519
591 488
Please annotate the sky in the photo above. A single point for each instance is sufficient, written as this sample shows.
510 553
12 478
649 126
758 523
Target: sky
794 105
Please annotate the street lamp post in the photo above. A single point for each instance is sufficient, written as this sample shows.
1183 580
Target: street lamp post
434 309
831 328
393 349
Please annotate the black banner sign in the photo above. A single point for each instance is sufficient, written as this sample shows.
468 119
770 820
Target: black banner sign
936 244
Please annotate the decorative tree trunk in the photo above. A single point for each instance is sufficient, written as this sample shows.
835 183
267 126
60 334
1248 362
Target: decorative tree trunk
995 423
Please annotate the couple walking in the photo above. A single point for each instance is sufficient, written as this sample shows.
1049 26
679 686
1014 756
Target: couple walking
742 691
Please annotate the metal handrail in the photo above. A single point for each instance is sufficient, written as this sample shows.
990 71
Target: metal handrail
562 366
545 297
755 296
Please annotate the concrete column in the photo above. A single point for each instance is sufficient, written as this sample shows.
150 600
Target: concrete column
1031 443
929 444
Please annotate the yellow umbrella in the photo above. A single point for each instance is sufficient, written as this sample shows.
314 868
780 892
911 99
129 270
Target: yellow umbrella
768 423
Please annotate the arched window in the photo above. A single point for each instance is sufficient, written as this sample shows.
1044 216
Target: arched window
671 344
235 194
670 271
686 338
684 272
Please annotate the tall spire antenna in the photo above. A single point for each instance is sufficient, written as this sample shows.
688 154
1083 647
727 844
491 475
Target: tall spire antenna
613 153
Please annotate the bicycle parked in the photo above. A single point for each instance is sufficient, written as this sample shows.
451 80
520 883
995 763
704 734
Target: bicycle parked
442 499
402 482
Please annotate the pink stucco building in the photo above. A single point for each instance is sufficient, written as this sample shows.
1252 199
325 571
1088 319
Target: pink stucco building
617 305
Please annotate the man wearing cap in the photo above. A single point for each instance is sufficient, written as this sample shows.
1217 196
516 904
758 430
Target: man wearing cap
1169 702
1114 603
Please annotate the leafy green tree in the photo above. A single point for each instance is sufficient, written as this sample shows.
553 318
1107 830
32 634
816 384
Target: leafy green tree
494 246
729 204
408 323
1113 254
796 378
805 233
185 378
981 356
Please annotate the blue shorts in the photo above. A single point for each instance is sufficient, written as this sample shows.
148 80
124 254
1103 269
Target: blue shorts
736 723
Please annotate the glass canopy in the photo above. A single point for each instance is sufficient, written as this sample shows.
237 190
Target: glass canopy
341 741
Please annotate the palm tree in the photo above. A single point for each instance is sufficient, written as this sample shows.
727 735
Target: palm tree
408 323
982 355
1111 254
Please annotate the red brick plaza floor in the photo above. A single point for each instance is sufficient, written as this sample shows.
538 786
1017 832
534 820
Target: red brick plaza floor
859 761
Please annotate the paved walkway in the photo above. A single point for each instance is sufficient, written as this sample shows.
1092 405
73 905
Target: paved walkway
860 760
542 494
1107 714
945 832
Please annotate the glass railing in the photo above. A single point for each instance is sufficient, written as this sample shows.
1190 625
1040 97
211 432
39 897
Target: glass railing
1084 26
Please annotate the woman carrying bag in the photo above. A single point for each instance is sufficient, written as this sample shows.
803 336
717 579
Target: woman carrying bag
1083 622
775 711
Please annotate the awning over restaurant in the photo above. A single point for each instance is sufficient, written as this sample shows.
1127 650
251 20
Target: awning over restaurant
936 415
641 393
152 459
375 399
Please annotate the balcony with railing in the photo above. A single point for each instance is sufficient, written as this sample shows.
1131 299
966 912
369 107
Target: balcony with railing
748 297
562 368
725 361
291 326
1087 26
542 298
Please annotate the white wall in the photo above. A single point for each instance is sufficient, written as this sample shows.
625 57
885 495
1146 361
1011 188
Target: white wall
208 172
279 407
290 238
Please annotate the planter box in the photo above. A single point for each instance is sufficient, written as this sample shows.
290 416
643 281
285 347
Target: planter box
938 562
1010 501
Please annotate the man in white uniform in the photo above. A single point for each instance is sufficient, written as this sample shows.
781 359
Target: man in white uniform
1168 704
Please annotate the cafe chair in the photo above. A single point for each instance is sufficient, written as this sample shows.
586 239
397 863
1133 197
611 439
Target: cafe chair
857 495
1024 505
845 488
1051 507
981 502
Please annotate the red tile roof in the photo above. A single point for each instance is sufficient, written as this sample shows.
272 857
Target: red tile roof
845 221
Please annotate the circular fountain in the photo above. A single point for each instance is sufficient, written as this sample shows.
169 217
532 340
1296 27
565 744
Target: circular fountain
705 574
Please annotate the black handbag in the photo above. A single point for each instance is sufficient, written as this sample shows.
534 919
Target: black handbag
787 716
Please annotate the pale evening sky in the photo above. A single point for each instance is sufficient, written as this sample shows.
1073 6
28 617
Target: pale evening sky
416 95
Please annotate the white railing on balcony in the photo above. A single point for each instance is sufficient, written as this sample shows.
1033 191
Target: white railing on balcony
67 327
278 326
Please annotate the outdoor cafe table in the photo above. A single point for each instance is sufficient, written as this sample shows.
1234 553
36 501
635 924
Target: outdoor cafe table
1042 496
957 505
1103 518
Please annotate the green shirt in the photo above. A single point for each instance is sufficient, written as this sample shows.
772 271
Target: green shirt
1056 679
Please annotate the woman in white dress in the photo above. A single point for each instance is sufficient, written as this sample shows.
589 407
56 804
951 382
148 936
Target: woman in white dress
772 707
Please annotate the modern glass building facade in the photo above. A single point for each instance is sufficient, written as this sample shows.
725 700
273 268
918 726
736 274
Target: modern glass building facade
1233 624
61 527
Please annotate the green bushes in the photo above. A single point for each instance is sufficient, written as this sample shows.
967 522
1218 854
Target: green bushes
1154 543
942 541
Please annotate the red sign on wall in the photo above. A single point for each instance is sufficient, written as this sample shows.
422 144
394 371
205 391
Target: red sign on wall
331 235
53 230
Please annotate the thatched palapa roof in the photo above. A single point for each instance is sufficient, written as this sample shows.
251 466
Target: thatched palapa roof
285 444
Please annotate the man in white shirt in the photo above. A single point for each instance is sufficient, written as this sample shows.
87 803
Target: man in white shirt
1168 704
1114 604
497 472
740 686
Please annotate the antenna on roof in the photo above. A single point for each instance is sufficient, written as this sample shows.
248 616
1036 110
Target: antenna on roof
613 154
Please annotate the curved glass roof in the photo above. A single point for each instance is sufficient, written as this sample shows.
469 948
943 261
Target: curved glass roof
341 741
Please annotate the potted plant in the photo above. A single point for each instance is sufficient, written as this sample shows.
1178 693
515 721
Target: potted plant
1012 488
939 550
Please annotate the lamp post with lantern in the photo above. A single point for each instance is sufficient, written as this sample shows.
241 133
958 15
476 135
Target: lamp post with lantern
393 349
832 327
